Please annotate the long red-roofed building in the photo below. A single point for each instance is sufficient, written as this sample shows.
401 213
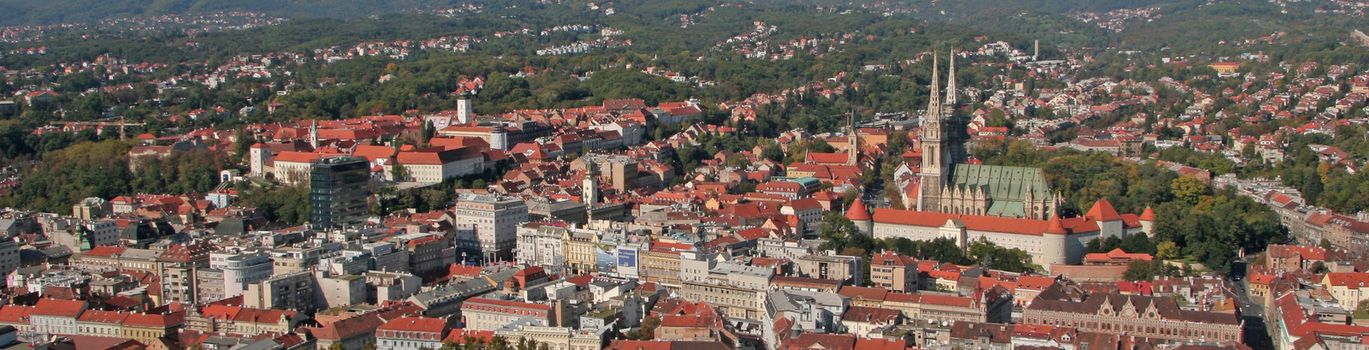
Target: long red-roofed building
485 314
1054 241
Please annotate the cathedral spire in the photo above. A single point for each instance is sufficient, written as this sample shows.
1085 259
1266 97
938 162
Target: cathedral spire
950 83
933 145
934 102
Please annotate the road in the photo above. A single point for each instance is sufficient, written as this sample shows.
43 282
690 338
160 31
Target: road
1255 332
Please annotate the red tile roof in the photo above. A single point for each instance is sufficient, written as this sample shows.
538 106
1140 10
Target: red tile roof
1075 225
857 211
825 158
414 328
105 251
1348 279
892 258
870 315
101 316
1148 215
1116 254
298 157
866 293
1103 211
59 308
459 336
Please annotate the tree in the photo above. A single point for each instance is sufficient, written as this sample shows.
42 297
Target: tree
428 131
1188 189
499 343
1319 267
773 152
241 142
991 256
839 231
1140 270
398 173
647 330
86 169
1166 250
1362 310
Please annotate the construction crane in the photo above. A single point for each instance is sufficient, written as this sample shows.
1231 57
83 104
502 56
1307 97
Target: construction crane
121 124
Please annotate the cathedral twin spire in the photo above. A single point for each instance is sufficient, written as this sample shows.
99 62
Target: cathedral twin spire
937 108
935 149
950 84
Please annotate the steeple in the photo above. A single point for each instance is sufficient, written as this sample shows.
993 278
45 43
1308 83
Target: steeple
589 187
950 83
933 145
313 133
934 102
853 141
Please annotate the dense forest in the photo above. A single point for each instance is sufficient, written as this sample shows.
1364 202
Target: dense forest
101 169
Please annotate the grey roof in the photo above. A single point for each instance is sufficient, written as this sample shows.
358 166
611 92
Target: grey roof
790 300
463 289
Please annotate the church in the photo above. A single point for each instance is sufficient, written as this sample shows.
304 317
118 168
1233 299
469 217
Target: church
1012 207
947 184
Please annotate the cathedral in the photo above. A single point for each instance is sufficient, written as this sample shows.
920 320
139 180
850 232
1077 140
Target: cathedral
947 184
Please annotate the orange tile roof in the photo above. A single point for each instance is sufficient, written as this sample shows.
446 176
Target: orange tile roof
1116 254
1103 211
415 324
867 293
1348 279
57 307
858 212
981 223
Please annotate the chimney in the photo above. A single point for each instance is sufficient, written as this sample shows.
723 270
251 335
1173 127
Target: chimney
1036 49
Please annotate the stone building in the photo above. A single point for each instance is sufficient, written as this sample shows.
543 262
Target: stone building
948 186
1155 318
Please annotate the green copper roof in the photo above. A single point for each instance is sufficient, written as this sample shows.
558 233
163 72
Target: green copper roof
1005 186
809 181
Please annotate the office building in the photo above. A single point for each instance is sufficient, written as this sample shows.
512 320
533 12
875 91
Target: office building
338 188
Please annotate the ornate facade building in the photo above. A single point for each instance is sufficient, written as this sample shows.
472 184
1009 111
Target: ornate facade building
1154 319
948 185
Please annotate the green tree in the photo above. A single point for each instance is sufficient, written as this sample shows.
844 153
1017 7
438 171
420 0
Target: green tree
1188 189
65 177
242 143
399 173
1166 250
428 131
991 256
773 152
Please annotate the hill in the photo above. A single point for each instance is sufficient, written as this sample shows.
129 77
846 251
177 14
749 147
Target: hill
21 12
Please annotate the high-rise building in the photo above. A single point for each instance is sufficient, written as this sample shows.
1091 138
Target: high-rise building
337 191
495 220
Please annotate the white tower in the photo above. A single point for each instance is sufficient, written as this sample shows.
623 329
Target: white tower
258 155
589 187
464 113
313 133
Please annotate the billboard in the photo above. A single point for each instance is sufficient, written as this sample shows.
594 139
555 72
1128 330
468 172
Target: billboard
627 257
